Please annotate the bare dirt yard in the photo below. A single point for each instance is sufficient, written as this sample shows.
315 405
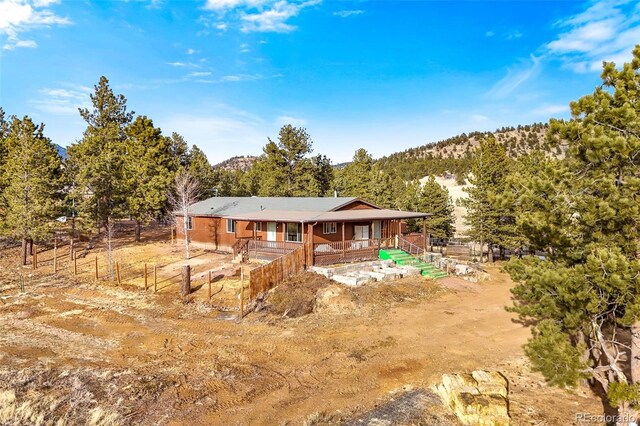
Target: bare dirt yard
91 352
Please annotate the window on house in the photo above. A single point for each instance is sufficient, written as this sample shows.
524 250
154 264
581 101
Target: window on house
189 223
231 226
294 232
258 226
329 228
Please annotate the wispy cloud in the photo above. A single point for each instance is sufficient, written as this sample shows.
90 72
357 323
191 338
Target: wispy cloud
199 74
244 48
551 110
179 64
256 15
479 118
192 51
607 30
275 17
63 100
516 76
347 13
489 34
294 121
20 16
512 35
241 77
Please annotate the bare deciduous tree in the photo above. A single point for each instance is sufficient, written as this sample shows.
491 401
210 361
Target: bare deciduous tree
185 192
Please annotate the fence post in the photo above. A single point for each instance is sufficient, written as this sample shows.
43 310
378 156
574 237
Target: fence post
34 261
241 293
155 278
186 280
145 277
55 257
96 262
209 291
118 272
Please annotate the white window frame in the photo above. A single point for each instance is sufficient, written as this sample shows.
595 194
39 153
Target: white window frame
233 226
258 226
298 232
189 223
330 228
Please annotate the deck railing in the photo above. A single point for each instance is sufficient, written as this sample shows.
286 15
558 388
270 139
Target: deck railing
345 251
261 249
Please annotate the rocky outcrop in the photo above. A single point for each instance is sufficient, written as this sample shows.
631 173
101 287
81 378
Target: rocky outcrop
477 399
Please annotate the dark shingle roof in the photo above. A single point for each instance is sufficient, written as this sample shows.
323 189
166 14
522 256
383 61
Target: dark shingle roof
231 206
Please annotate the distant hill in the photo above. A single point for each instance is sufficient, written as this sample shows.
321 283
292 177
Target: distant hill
453 154
62 151
241 163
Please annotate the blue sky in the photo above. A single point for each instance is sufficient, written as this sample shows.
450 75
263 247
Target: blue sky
383 75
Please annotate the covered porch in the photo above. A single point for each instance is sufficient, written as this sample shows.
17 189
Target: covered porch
326 237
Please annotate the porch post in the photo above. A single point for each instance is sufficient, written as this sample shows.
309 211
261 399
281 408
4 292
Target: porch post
312 259
343 239
255 233
424 236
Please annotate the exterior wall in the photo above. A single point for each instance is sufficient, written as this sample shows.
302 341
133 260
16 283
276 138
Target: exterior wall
356 205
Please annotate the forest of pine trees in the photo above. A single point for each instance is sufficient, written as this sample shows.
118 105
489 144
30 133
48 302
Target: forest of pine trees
570 190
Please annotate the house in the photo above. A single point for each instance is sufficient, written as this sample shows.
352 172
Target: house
339 228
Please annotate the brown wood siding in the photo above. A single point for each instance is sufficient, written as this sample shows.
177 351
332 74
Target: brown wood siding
357 205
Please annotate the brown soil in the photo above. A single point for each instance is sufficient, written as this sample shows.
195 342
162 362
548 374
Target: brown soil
95 353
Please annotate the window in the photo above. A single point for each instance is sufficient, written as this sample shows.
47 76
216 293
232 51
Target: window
329 228
231 226
258 226
189 223
293 232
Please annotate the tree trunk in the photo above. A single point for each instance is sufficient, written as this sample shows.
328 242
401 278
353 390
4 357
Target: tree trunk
490 252
138 230
627 416
30 246
186 280
635 353
24 251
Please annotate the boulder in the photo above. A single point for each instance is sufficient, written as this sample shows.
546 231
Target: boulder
477 399
334 299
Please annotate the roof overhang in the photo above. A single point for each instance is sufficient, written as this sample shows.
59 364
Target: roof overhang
333 216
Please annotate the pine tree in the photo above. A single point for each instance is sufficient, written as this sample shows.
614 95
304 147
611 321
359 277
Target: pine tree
33 192
4 133
355 179
433 198
285 170
584 212
200 168
490 220
99 156
148 171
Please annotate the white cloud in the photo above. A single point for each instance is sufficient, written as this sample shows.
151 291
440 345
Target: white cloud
20 16
294 121
179 64
63 100
222 26
550 110
515 77
512 35
347 13
191 51
231 4
489 34
199 74
241 77
479 118
608 30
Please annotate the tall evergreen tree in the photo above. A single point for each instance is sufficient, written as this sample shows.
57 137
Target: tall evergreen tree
355 179
285 170
179 150
148 171
99 156
490 220
32 195
584 213
434 198
200 168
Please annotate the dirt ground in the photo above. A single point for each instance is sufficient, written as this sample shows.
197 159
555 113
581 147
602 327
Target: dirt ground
95 353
